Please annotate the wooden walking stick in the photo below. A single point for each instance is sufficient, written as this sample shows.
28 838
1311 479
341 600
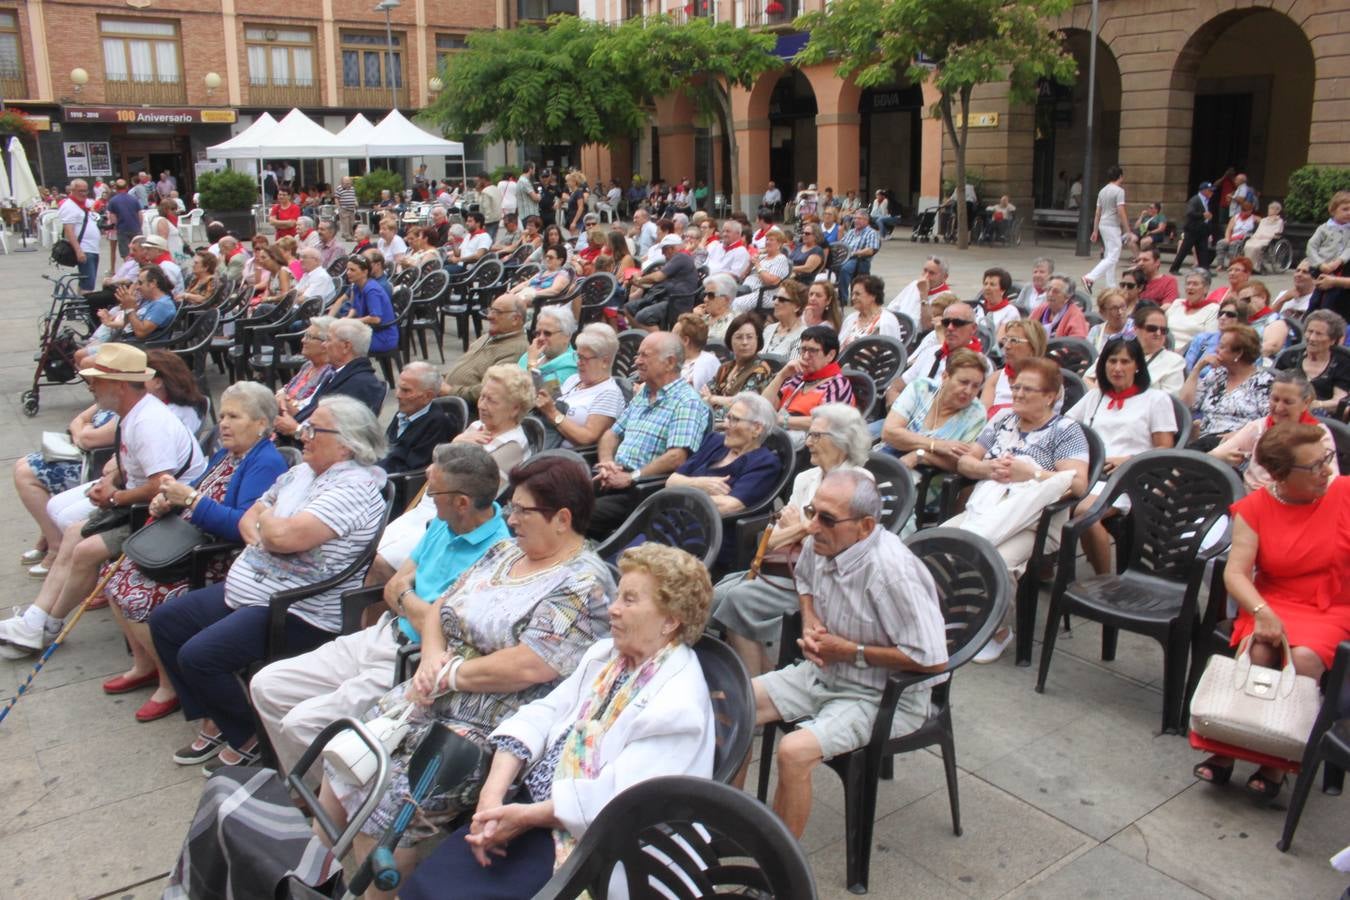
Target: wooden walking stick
761 549
70 623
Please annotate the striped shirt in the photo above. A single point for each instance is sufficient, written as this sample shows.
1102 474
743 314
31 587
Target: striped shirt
867 238
348 498
1058 439
678 417
878 593
345 195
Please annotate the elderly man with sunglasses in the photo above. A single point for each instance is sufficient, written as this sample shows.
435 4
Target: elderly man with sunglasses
958 330
869 607
504 342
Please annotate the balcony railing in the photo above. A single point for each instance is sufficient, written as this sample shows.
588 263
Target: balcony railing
287 95
774 13
12 83
160 93
539 10
372 97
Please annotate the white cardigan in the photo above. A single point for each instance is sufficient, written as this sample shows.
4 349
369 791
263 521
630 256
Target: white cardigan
666 730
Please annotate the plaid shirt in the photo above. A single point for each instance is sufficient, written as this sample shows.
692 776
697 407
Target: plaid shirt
863 239
678 417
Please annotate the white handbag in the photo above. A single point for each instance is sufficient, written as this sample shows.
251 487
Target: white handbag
1270 711
351 757
996 511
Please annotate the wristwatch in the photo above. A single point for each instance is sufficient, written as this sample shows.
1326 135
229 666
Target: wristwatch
558 419
860 657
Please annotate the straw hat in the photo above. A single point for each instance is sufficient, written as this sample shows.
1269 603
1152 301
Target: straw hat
118 362
155 241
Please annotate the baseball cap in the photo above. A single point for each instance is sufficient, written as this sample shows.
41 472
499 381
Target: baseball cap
1206 186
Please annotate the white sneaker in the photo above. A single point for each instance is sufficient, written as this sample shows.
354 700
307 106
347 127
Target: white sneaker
19 639
994 649
38 571
32 557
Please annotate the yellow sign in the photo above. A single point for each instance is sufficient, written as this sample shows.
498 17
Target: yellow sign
979 120
226 116
40 123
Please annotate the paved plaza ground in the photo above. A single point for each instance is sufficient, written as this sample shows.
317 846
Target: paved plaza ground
1067 794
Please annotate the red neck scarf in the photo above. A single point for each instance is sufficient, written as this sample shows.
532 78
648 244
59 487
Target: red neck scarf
1009 371
827 371
1116 399
1204 301
476 232
995 307
1260 313
974 344
1306 419
729 247
233 253
164 257
759 235
933 292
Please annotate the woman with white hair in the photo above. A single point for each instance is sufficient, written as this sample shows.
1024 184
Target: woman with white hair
716 309
752 609
246 465
507 395
550 354
733 466
315 521
590 401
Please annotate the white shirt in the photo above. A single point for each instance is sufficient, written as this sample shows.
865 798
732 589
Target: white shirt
174 273
734 261
773 196
908 302
475 245
1167 371
700 370
155 440
316 283
603 399
886 324
71 214
1129 430
1185 324
1030 298
998 317
1295 303
1109 200
507 191
391 250
647 237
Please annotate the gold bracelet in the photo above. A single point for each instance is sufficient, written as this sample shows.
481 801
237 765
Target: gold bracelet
1258 609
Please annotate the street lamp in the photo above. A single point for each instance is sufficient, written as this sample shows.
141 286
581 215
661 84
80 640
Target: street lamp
386 6
1087 207
79 77
435 85
212 81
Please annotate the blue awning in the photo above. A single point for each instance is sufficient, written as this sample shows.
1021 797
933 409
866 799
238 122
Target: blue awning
789 45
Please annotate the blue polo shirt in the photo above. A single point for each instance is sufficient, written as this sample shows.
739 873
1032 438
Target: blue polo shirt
442 556
372 300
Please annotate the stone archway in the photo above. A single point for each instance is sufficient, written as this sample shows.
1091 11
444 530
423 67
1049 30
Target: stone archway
792 132
1061 124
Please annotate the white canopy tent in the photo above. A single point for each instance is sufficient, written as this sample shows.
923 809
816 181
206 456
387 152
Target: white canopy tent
358 131
396 136
247 144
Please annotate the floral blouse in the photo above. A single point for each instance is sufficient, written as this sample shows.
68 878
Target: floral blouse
1222 412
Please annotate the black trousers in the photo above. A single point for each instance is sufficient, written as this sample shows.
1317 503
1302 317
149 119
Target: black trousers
1197 240
612 509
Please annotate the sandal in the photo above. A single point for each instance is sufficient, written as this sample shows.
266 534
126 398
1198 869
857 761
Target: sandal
1263 788
200 750
1212 772
246 758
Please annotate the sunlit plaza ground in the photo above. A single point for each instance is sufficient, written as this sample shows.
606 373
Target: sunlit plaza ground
1066 794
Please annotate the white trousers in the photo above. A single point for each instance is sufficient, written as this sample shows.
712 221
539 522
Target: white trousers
1105 271
71 506
297 698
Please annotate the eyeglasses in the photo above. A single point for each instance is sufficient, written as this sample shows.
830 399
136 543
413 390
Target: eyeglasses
1026 389
782 298
825 518
548 334
956 323
510 509
1317 466
804 350
311 337
308 430
1228 314
733 419
1129 285
492 312
816 435
1013 341
444 493
1155 329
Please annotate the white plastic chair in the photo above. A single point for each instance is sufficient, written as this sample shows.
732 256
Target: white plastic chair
191 229
49 227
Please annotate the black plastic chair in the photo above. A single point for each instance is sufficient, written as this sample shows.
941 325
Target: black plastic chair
1074 354
674 516
733 701
466 297
1184 421
1292 357
458 411
401 300
908 331
880 356
1176 498
338 267
596 293
1329 741
406 278
1074 389
693 838
624 359
534 434
719 350
192 344
425 316
1029 586
864 392
1340 436
972 586
896 487
750 522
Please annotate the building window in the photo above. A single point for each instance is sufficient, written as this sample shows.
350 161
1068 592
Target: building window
447 44
538 10
361 55
280 57
11 57
140 51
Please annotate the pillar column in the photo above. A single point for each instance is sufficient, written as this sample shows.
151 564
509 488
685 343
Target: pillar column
930 164
838 129
750 122
675 134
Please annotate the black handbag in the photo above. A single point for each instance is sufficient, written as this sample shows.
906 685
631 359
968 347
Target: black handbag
106 518
162 550
63 251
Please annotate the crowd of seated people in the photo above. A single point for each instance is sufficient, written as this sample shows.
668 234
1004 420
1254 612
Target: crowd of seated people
529 650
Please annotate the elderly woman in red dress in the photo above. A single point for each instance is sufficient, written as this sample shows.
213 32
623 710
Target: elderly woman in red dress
1287 569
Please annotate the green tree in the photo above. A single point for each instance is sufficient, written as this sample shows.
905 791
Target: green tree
704 59
536 85
963 44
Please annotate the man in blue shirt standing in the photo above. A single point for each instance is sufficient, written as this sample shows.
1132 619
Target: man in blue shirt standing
126 215
297 698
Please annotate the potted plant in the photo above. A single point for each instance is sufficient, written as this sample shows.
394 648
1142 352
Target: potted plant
369 186
228 197
13 121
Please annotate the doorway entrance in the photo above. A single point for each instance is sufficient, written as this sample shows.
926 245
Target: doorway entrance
156 154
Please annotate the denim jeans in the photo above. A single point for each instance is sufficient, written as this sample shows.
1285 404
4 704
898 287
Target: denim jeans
88 272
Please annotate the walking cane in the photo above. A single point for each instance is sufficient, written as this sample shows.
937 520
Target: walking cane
763 548
70 623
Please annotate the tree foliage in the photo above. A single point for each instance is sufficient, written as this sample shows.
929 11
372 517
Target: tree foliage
536 85
963 44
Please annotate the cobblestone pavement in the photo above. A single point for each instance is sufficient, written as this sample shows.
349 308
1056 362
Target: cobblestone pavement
1066 794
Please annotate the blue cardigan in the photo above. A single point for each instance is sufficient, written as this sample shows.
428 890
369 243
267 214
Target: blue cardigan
261 466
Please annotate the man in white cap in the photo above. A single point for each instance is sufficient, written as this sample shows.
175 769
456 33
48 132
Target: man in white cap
151 443
678 280
157 254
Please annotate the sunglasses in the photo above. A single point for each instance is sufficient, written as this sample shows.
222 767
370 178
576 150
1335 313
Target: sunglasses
1155 329
1227 314
1317 466
956 323
825 518
1129 285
